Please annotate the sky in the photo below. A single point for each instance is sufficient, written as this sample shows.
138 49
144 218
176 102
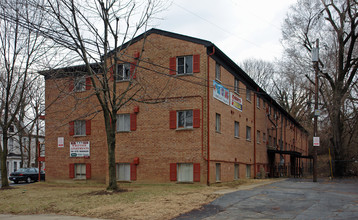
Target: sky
242 29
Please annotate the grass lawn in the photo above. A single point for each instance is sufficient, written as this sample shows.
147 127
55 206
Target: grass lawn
138 201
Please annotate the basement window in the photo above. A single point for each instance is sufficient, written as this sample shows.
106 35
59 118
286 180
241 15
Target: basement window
185 172
123 172
80 171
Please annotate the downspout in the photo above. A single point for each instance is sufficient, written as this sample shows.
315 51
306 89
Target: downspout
254 104
208 117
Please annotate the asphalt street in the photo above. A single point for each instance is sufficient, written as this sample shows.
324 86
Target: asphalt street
289 199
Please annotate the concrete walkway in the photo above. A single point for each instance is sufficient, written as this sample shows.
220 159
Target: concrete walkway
43 217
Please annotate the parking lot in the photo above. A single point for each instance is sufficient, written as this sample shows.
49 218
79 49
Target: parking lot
289 199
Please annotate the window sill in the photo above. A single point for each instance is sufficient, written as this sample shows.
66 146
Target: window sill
237 137
184 129
83 135
124 80
248 100
123 131
184 74
185 182
248 140
237 93
79 91
219 132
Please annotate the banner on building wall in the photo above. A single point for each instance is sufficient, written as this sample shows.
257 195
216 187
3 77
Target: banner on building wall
235 102
80 149
60 142
221 93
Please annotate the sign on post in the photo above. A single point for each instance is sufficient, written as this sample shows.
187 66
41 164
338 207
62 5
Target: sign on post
316 141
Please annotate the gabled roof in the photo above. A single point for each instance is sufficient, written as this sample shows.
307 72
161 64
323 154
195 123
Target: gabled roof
220 57
212 50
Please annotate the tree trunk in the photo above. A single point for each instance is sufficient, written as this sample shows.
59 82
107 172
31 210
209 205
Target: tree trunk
3 152
110 124
337 129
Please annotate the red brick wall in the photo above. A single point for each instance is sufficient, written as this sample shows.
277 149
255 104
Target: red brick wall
153 142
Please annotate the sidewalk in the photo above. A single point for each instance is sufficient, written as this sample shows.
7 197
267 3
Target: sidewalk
43 217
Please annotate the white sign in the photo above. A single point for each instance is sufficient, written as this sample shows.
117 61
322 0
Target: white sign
316 141
60 142
235 102
80 149
221 93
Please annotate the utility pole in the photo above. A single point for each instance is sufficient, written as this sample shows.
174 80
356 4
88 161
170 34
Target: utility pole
315 59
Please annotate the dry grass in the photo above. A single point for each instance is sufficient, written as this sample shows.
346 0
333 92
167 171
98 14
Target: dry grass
141 201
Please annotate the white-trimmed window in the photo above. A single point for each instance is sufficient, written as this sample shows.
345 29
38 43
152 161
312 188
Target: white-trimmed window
248 95
80 127
123 122
258 138
248 133
184 65
258 102
237 129
80 171
123 72
236 171
248 171
80 84
217 72
185 172
185 119
123 171
236 86
218 123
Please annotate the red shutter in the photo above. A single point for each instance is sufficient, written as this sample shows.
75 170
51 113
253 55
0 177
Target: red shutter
72 170
196 172
173 65
196 120
196 63
88 83
88 171
172 119
133 172
133 121
136 55
88 127
173 172
72 128
111 76
132 70
71 85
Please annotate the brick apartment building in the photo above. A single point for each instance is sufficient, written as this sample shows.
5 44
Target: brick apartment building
213 123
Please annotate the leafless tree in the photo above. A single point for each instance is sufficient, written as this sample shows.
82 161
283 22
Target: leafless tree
20 49
335 24
93 32
262 72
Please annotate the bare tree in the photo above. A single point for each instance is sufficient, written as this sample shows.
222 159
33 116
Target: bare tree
335 24
20 49
94 32
262 72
